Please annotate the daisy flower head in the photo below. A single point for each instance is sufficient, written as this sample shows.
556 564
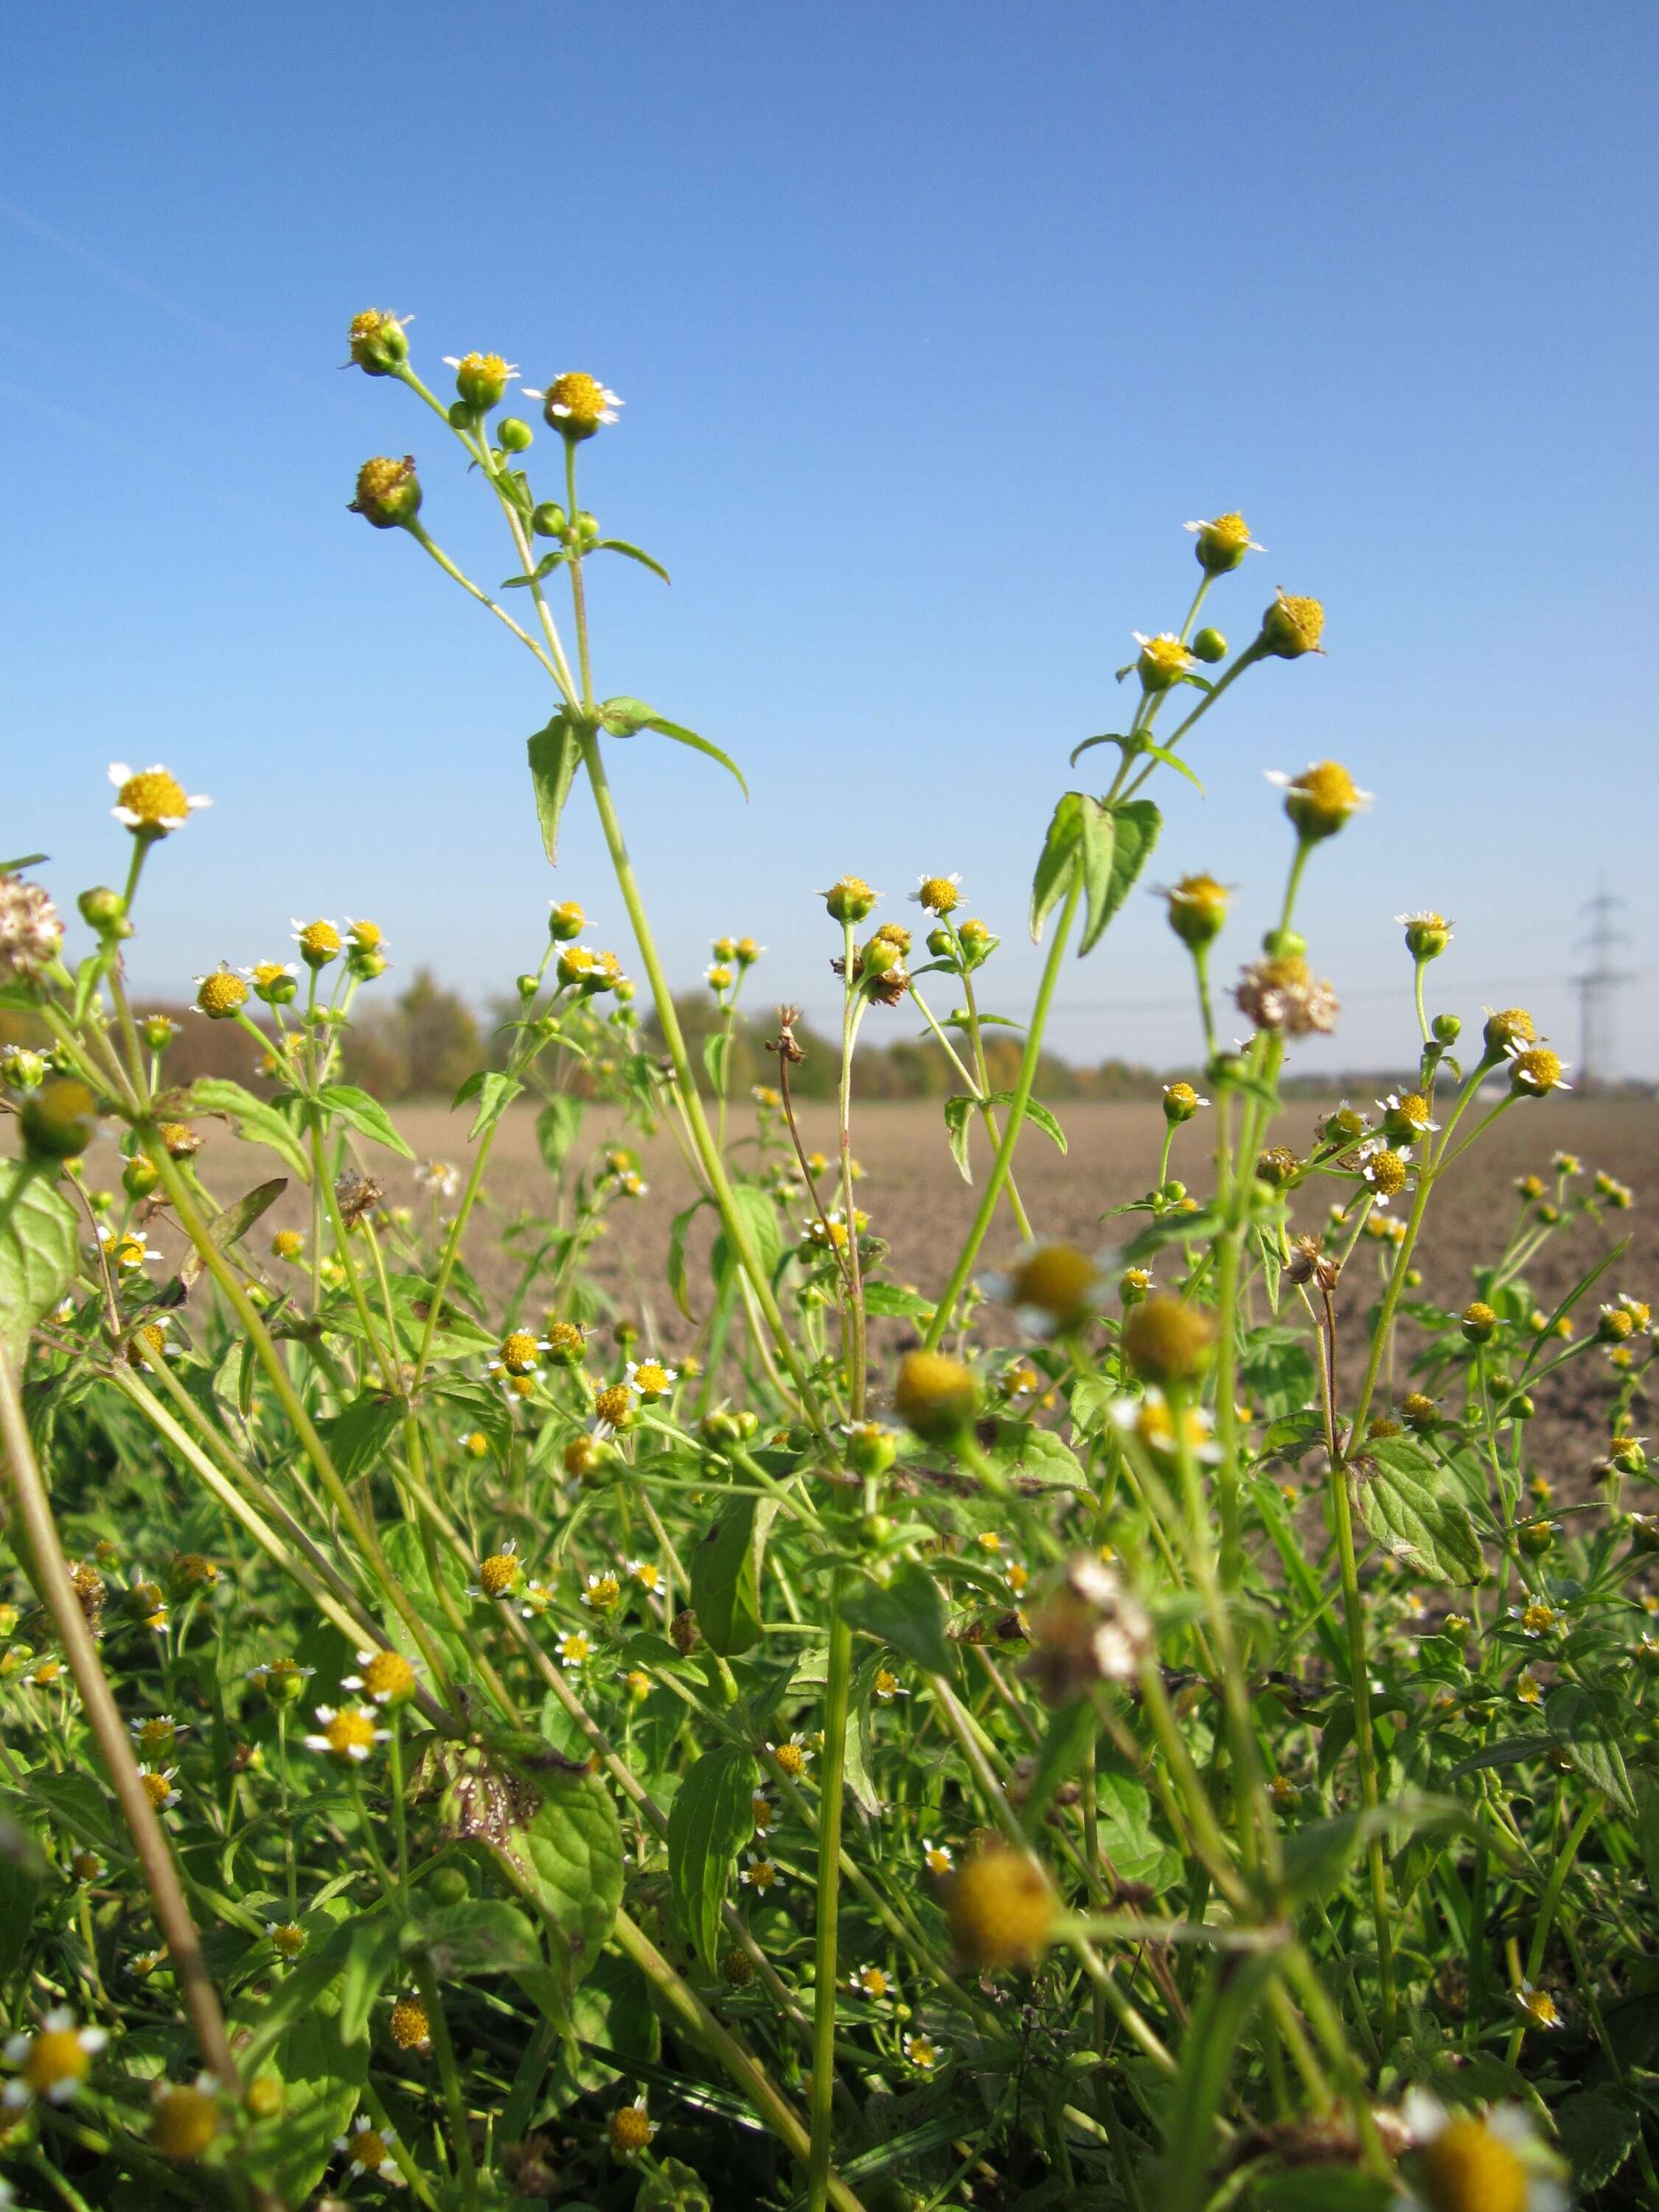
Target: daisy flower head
631 2129
367 2149
1052 1289
1162 660
53 2064
347 1734
481 378
575 1649
760 1873
938 1858
1320 799
938 894
1427 933
158 1783
1151 1420
650 1379
602 1593
500 1575
386 1677
441 1178
792 1758
887 1687
575 404
870 1981
1537 2007
1534 1070
1223 542
1472 2161
647 1573
149 802
923 2052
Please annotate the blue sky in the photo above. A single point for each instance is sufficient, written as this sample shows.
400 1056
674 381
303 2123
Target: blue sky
934 324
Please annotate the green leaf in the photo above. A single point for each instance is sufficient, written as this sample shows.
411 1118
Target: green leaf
622 717
22 1872
1598 2131
1170 760
760 1221
716 1051
1273 1264
1278 1371
1037 1456
555 1835
1319 1853
725 1569
712 1817
1106 737
495 1092
322 2077
1037 1112
676 1269
555 754
370 1952
230 1227
959 1114
254 1119
892 1303
906 1614
1059 856
357 1438
1116 843
557 1128
365 1115
1072 1729
481 1935
484 1406
633 553
38 1251
1406 1506
1586 1727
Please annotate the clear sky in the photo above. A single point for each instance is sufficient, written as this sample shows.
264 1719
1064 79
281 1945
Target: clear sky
934 324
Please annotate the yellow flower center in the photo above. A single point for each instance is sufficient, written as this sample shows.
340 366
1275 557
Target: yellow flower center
156 1738
934 1394
762 1875
1512 1025
411 2028
938 894
1539 1069
350 1731
499 1574
886 1684
790 1759
1326 791
874 1981
582 397
650 1379
321 939
1002 1908
630 2130
1386 1171
183 2123
518 1352
1466 2168
1182 1095
388 1674
368 2148
603 1593
1230 531
1295 623
763 1810
615 1405
55 2057
287 1244
155 796
575 1647
368 936
1166 1339
288 1940
564 1339
157 1787
221 994
1165 658
1058 1281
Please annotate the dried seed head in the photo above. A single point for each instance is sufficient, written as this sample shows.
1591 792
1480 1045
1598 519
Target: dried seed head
356 1195
388 492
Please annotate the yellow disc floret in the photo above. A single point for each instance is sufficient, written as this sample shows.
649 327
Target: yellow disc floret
221 995
157 799
1469 2169
1293 626
1002 1909
411 2028
1057 1282
935 1396
183 2123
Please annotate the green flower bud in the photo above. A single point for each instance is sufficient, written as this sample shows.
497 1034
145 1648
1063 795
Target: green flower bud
1447 1029
550 520
871 1449
59 1120
447 1885
516 435
1209 646
849 898
1197 908
526 986
139 1176
106 911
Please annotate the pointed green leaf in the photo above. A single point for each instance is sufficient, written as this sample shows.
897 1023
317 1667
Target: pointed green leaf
557 1126
1057 858
1116 842
555 754
906 1614
725 1569
495 1092
255 1120
38 1251
712 1817
365 1115
623 717
1035 1111
633 553
958 1112
1406 1505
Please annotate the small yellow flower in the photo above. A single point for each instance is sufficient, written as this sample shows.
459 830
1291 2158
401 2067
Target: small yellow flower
631 2129
650 1378
1162 660
348 1735
1322 798
870 1981
935 1396
386 1677
286 1937
1197 908
759 1874
613 1408
388 492
1166 1341
220 994
575 404
1536 1069
602 1593
481 378
792 1758
158 1786
1223 543
575 1649
54 2065
184 2121
150 802
411 2026
887 1687
1002 1909
938 1858
923 2052
369 2150
1293 626
500 1574
319 941
938 894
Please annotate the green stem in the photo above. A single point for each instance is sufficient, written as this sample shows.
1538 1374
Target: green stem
1359 1687
825 1954
1022 1096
